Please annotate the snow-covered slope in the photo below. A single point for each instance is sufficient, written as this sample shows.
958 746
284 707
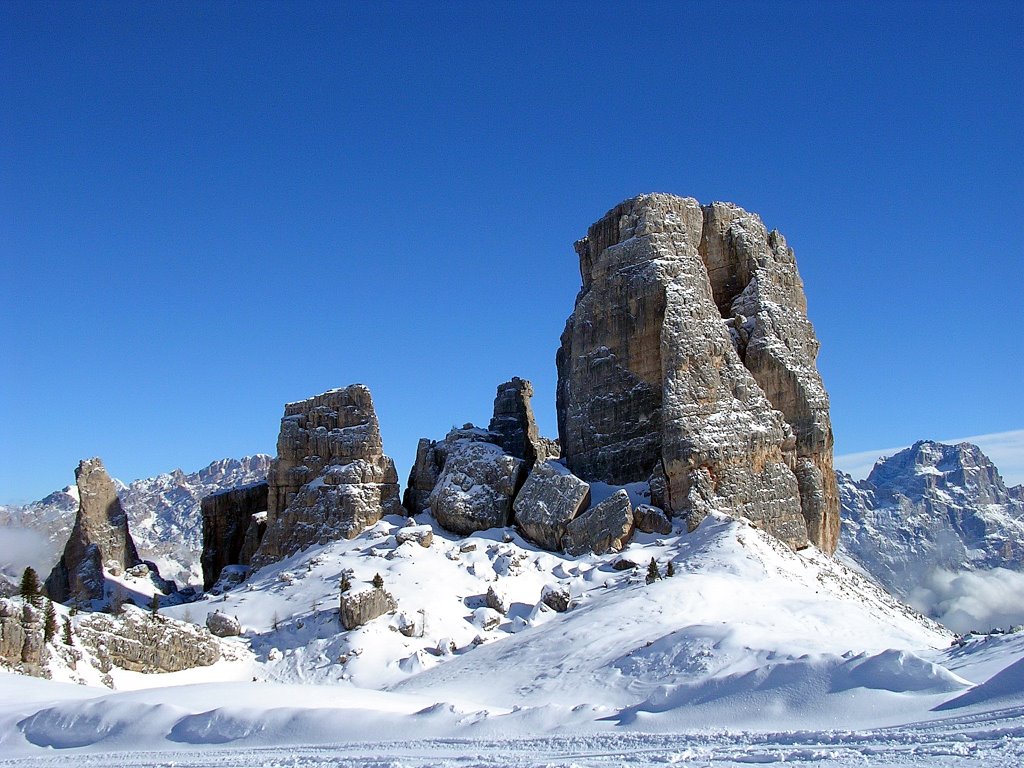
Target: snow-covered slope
936 525
749 646
163 515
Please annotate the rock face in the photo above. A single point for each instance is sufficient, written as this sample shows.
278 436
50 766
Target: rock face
476 487
227 520
357 608
21 637
222 625
606 527
99 540
650 519
549 499
931 507
514 424
689 362
330 479
135 642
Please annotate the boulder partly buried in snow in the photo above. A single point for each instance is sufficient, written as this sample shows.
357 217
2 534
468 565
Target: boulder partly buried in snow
549 499
222 625
650 519
357 608
421 534
604 528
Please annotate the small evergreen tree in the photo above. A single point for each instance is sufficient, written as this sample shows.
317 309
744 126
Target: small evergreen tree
29 588
346 583
653 574
49 622
68 639
378 582
154 607
670 569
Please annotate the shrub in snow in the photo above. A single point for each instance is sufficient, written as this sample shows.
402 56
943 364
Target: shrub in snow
653 574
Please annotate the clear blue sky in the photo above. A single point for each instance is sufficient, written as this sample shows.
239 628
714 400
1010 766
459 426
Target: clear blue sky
209 209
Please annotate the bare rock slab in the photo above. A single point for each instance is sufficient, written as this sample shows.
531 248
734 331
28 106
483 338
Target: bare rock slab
607 527
549 499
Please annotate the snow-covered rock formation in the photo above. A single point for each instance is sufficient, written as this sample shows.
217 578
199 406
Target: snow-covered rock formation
689 362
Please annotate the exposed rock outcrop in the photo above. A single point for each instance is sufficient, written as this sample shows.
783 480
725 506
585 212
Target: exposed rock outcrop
357 608
230 534
222 625
134 641
330 479
650 519
549 499
21 638
99 541
606 527
514 424
689 362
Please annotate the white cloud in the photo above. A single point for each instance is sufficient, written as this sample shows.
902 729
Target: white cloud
970 600
20 547
1005 449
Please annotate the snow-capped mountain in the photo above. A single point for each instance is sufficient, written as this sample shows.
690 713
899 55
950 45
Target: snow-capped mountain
163 514
936 525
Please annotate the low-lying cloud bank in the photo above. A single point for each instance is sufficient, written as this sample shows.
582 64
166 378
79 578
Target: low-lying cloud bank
20 547
969 600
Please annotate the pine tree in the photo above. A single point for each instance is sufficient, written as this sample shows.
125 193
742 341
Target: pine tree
378 582
154 607
653 574
49 622
670 569
68 638
346 583
29 588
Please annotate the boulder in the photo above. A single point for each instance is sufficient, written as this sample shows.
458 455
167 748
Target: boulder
606 527
331 479
689 362
476 487
99 541
357 608
486 618
228 528
550 498
421 534
222 625
556 598
497 601
650 519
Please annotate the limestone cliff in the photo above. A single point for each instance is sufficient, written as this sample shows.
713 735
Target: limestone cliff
99 540
689 361
330 479
231 530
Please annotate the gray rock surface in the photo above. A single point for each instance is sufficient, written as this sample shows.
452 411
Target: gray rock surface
555 597
357 608
606 527
496 600
227 523
475 489
514 424
650 519
550 498
421 534
330 479
222 625
134 641
689 361
21 638
99 540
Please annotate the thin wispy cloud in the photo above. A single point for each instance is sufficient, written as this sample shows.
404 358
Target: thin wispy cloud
1005 449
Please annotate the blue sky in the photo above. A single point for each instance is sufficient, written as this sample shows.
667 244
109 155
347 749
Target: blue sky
207 210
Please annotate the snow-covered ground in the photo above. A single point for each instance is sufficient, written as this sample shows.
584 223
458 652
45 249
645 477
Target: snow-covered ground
749 654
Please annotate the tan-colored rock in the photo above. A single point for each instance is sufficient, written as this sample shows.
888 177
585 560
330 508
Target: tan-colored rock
99 541
357 608
331 479
21 638
650 519
689 362
134 641
476 487
550 498
607 527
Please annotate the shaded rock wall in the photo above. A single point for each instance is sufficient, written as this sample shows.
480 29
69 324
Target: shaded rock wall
230 535
689 362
